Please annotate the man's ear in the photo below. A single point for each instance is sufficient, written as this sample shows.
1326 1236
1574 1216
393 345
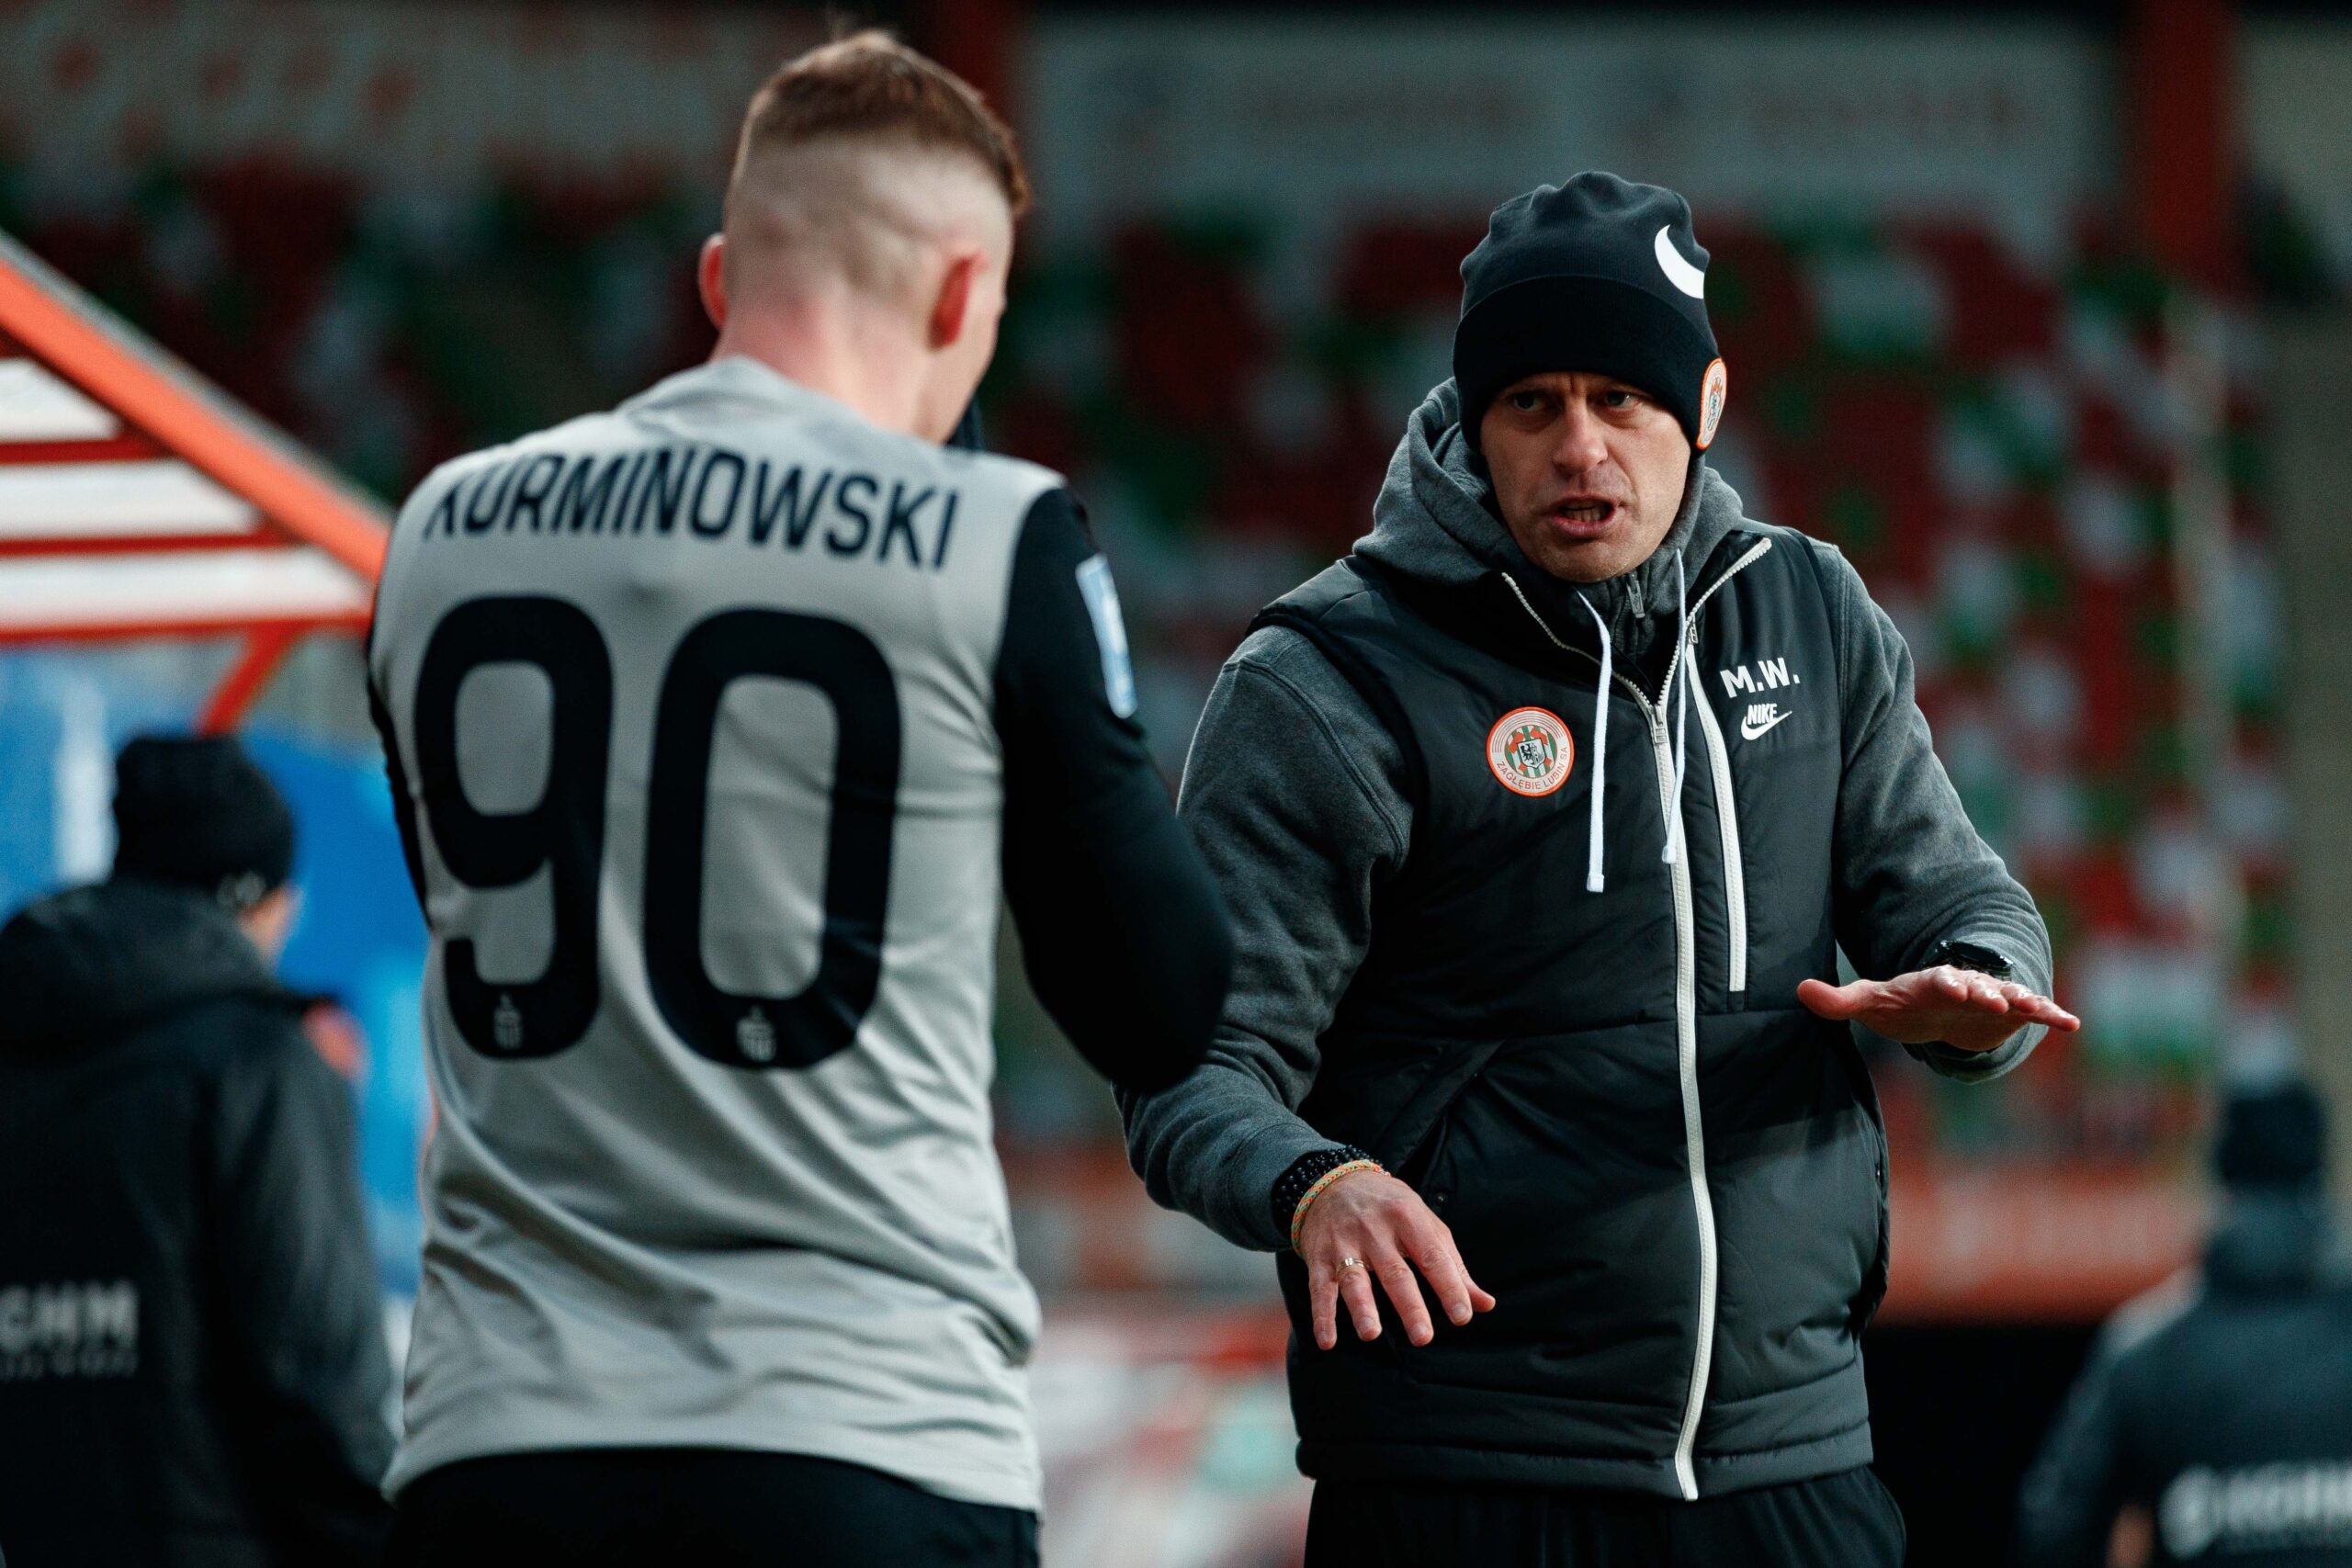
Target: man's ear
951 312
710 277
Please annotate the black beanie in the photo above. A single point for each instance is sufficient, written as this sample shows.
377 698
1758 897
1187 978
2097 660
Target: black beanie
1599 275
198 811
2274 1137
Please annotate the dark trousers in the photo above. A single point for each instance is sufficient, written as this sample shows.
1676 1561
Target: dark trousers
711 1507
1839 1521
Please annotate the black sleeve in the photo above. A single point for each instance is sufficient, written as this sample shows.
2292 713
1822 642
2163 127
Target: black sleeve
307 1376
396 777
404 804
1124 931
2069 1502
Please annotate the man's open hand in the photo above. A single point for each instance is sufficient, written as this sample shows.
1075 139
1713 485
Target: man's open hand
1370 1225
1958 1007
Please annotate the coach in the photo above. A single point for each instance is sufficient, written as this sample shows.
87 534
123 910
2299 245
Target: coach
1542 816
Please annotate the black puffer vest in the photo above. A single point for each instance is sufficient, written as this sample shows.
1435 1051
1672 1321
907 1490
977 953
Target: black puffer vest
1672 1175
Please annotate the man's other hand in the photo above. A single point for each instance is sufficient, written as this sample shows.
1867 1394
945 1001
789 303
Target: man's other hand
1958 1007
1370 1225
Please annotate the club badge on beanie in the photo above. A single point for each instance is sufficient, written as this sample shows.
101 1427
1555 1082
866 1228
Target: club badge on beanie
1598 275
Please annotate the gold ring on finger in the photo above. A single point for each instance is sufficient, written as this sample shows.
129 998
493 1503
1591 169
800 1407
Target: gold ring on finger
1350 1262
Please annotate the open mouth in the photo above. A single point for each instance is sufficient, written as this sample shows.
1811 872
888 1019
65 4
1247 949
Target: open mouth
1585 512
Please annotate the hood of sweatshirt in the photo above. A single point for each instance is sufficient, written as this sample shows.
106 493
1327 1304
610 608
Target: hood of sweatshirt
1435 529
2270 1242
1435 522
87 966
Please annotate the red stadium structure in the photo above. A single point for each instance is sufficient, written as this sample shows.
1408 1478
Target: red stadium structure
137 501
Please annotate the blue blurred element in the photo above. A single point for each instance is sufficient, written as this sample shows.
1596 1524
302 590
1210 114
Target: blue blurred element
360 939
63 715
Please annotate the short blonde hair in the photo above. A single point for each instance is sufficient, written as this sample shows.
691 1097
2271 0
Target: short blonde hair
871 85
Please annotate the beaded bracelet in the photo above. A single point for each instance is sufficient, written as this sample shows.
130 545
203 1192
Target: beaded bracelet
1300 1174
1299 1215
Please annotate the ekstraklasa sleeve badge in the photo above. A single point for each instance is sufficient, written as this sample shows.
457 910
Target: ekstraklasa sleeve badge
1530 751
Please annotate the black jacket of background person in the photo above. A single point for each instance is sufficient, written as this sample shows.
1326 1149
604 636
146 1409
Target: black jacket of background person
1671 1176
192 1358
2222 1404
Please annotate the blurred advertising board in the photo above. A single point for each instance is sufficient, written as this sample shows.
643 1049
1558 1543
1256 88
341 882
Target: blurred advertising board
1989 1242
1141 115
2052 1242
425 95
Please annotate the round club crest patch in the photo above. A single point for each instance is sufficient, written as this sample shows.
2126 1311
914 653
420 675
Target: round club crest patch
1712 389
1530 751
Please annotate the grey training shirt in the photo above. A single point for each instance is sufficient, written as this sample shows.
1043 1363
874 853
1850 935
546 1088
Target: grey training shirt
709 721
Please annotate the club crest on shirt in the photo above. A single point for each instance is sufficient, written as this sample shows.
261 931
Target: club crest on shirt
1530 752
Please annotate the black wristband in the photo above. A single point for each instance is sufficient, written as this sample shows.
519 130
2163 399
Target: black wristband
1972 956
1305 1172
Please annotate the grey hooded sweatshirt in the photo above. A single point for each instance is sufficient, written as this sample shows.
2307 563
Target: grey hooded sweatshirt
1298 796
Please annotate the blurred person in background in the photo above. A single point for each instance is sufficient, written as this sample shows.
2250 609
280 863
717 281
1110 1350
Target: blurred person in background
2213 1423
192 1368
719 1265
1544 815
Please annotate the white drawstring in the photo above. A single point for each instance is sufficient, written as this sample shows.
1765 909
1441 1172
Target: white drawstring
1681 705
1594 879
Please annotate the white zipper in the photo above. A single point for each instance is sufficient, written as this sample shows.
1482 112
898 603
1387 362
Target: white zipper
1686 1007
1727 814
1686 995
1690 616
1694 1137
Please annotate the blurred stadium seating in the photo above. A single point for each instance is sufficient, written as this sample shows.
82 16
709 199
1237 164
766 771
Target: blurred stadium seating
1976 428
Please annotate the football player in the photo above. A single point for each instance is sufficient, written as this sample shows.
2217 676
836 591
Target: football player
719 727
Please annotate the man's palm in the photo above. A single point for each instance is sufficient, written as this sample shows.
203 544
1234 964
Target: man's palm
1954 1007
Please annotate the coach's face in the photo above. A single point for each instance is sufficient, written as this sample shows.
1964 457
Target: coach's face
1588 471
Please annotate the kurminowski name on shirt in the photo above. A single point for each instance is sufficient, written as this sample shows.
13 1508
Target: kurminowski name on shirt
711 493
